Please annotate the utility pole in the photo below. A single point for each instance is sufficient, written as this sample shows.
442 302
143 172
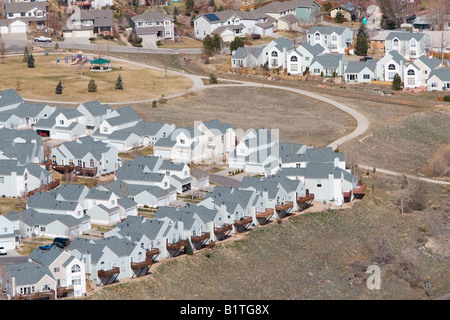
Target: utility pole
442 48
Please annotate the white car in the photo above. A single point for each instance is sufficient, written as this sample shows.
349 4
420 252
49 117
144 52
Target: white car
42 39
2 251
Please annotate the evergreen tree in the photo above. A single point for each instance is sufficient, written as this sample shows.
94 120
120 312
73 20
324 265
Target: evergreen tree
59 88
212 78
26 55
119 83
362 29
212 3
339 18
30 61
236 43
190 4
92 86
188 249
361 45
397 83
175 11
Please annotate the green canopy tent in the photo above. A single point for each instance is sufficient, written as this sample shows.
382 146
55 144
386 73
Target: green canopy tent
100 64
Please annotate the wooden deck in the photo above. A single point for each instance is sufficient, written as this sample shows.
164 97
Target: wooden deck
142 264
108 273
307 198
358 191
86 170
152 254
243 222
203 237
63 168
224 229
177 245
267 213
46 295
283 207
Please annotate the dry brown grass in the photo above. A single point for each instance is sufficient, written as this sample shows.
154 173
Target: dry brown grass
40 82
439 164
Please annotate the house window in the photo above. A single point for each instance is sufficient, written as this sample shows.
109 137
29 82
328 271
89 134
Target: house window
105 129
391 67
61 121
76 280
411 82
54 159
294 59
76 268
334 37
319 183
395 43
294 67
317 36
413 53
433 85
139 24
316 71
91 163
366 76
411 72
70 161
149 23
80 163
413 43
182 141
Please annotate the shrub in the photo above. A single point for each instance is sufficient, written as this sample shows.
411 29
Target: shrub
339 18
154 104
59 88
92 86
119 83
30 61
446 98
397 82
212 78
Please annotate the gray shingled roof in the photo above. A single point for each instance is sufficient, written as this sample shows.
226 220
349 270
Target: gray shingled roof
9 97
405 36
442 74
358 66
326 30
151 16
27 273
328 60
96 108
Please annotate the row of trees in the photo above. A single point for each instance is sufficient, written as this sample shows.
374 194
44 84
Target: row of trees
92 86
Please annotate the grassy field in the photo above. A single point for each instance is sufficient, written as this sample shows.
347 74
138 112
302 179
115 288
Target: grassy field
314 256
40 82
315 123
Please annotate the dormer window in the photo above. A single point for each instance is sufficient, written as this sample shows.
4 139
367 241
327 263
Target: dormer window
395 43
317 36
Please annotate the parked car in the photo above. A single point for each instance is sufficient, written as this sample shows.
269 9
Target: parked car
45 247
58 244
60 240
365 59
3 251
42 39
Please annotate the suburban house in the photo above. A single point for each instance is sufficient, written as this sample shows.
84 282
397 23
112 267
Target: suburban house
13 179
223 23
102 207
416 73
110 259
378 41
256 23
328 182
328 65
307 53
86 156
29 113
182 145
9 99
46 202
148 132
200 179
389 65
257 152
300 156
8 237
159 238
65 124
304 11
333 39
178 172
152 26
32 13
68 271
274 54
245 57
13 26
94 112
118 119
360 71
219 138
32 223
439 79
350 10
408 45
88 23
22 145
29 281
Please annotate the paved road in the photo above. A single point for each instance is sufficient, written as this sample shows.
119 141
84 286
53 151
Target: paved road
394 173
224 181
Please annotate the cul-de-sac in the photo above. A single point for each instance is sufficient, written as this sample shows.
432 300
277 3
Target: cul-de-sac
224 150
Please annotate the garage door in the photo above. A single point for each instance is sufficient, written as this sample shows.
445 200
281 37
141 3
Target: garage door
62 135
149 41
18 28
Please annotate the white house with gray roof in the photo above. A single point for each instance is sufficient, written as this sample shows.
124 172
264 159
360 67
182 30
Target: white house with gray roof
245 57
46 202
30 113
256 152
326 181
416 74
389 65
94 112
9 238
153 26
32 223
64 124
360 71
224 23
332 39
275 53
87 23
409 45
439 79
86 156
28 280
13 179
118 119
328 65
150 234
9 99
68 271
110 259
219 138
32 13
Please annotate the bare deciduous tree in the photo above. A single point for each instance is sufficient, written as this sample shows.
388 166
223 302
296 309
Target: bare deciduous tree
395 11
410 195
437 13
2 50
